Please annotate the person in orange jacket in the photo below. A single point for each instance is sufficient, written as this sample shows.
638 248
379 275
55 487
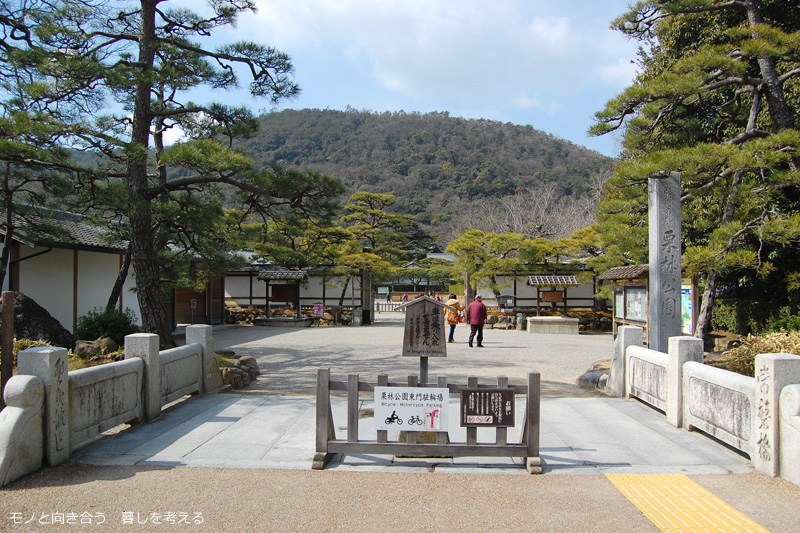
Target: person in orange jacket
451 317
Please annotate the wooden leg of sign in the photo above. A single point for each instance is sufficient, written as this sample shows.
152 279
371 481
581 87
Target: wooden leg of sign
423 370
531 433
325 429
383 380
472 431
534 465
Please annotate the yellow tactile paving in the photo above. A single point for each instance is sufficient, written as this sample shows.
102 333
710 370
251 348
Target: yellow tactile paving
675 503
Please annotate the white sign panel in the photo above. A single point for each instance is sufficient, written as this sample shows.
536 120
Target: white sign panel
411 408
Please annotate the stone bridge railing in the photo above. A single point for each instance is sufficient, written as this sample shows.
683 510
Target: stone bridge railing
51 412
759 415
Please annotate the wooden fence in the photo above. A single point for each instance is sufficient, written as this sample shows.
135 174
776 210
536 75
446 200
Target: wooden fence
327 444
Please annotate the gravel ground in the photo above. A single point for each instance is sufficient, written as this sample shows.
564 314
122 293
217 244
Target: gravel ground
289 357
283 500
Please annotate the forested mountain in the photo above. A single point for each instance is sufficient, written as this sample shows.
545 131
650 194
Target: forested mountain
436 165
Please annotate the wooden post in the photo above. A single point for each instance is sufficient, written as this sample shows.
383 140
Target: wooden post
324 419
532 422
501 436
472 432
7 343
383 380
352 408
423 370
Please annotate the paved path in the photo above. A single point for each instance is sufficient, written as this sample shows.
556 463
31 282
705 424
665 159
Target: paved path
252 452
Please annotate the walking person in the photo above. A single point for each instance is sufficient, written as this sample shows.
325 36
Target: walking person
451 317
477 318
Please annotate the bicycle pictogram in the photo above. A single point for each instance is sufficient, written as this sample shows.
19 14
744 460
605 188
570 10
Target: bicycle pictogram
415 420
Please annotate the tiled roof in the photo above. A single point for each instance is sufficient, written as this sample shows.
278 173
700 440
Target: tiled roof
60 229
626 272
281 274
552 281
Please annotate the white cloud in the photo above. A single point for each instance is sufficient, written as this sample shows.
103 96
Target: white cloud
526 102
617 74
173 135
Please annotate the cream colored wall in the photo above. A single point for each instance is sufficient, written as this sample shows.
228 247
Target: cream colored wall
48 280
97 274
237 288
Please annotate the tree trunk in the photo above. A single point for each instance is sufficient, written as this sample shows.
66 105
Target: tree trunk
122 275
8 206
779 110
344 291
704 316
143 256
709 294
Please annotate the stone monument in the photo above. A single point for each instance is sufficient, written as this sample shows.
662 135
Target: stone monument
664 206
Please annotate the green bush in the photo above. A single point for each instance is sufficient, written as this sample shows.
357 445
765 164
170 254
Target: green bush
742 316
113 323
786 323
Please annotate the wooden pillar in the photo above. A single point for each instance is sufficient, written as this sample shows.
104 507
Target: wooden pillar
7 343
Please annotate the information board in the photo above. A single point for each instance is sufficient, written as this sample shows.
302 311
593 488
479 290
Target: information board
487 407
411 408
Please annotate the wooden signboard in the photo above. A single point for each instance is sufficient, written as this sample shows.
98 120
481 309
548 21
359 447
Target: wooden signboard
487 408
424 334
552 296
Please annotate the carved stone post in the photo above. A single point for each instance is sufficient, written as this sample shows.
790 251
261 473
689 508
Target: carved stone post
664 317
49 364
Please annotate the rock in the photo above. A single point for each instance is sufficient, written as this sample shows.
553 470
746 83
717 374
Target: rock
107 345
596 376
32 321
249 364
94 349
235 377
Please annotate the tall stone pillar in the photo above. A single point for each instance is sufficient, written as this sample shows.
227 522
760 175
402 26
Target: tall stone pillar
664 316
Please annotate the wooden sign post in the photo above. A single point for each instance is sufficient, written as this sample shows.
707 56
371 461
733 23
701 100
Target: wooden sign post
424 335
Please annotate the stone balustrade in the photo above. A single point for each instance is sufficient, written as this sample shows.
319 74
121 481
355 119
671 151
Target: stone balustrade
759 415
77 406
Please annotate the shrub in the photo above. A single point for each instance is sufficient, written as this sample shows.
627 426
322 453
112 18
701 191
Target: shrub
24 344
113 323
742 359
786 323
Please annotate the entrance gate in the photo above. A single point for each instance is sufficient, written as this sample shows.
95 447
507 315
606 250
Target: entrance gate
327 444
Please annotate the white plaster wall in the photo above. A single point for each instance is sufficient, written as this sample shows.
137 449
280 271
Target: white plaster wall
311 291
237 289
47 279
528 294
97 274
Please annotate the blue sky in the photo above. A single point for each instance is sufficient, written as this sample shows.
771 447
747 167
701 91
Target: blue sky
550 64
